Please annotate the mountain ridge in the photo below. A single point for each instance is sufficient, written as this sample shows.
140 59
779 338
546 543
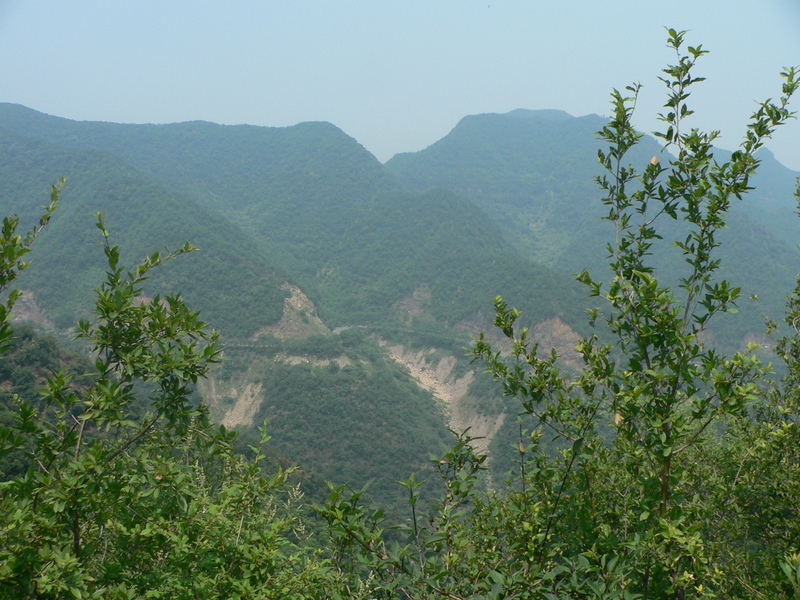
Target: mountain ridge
409 254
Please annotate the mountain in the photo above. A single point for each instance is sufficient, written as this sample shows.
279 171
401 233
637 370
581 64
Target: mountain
328 212
346 290
338 405
533 172
228 279
275 182
525 169
771 201
310 213
238 290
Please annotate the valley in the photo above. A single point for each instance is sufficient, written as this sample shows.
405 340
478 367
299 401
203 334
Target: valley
347 292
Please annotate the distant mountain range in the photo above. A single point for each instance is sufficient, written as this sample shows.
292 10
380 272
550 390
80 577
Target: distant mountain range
302 232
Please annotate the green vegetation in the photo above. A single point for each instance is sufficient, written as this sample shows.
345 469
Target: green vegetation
117 504
229 279
532 171
660 467
342 411
675 504
399 243
312 201
417 269
29 360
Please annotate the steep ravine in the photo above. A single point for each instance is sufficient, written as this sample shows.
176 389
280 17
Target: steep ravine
438 378
236 402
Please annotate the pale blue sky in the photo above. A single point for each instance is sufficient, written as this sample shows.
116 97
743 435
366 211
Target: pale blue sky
397 74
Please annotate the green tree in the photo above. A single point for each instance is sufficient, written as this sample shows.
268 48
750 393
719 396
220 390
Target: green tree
124 502
669 506
14 247
650 493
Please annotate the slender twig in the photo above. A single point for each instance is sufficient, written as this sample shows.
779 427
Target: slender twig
133 440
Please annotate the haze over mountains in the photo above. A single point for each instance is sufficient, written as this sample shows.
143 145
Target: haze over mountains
341 273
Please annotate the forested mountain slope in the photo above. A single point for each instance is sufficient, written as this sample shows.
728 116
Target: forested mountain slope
411 252
533 172
281 183
771 201
328 212
339 406
525 168
229 279
314 201
234 285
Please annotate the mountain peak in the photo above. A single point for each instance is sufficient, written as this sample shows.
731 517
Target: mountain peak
548 114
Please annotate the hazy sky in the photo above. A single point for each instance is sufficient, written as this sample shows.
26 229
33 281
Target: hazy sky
395 74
